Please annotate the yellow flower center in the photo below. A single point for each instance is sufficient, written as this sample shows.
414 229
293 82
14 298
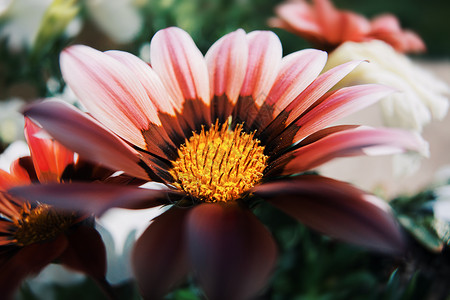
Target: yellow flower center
40 223
219 164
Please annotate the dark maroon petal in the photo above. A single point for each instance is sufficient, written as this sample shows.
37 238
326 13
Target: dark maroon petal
336 209
27 261
95 197
160 257
87 137
85 252
232 253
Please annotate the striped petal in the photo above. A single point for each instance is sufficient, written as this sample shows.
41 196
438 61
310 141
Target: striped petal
49 157
227 64
113 95
297 71
182 68
232 253
337 209
156 92
307 98
350 142
84 135
264 59
339 104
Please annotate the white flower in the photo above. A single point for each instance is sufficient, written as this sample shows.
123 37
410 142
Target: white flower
119 229
420 97
119 19
11 120
23 19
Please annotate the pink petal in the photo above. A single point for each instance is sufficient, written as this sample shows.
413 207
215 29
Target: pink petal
182 69
301 17
337 209
159 256
307 98
49 157
94 197
339 104
296 72
264 59
227 64
318 88
232 253
84 135
156 91
111 93
351 142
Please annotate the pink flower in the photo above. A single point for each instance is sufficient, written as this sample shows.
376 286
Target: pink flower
219 133
327 27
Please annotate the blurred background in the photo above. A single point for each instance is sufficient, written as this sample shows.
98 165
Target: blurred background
33 33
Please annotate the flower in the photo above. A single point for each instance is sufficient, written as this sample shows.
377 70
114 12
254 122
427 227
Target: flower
120 20
327 27
30 24
219 133
32 235
421 96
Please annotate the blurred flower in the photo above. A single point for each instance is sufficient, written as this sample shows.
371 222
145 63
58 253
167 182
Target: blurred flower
11 121
327 27
420 96
34 234
119 19
219 133
30 23
22 21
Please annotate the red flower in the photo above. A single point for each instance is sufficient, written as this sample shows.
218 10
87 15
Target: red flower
327 27
241 123
33 235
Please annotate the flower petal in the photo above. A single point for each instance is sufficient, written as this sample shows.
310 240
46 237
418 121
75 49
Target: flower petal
84 135
49 157
307 98
112 95
352 142
232 253
95 197
85 252
182 68
339 104
28 260
159 257
297 71
264 59
227 64
156 92
336 209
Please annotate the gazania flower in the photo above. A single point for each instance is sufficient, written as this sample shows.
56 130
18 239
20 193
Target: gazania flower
327 27
219 133
33 235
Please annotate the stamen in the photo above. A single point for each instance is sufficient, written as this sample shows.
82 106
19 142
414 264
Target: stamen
40 223
219 164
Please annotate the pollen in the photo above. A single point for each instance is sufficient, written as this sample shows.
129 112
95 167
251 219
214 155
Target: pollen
40 223
219 164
